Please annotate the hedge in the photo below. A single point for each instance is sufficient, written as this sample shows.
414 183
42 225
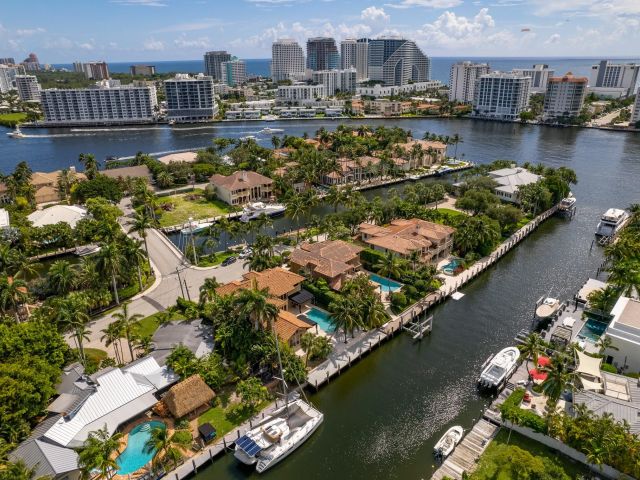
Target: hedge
512 412
323 295
370 258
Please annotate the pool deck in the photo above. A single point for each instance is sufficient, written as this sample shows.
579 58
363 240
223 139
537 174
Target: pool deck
571 310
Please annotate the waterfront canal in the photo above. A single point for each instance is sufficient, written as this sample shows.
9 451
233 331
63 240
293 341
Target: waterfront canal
383 416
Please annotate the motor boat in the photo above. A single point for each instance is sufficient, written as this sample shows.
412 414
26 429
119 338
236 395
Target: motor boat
414 177
17 133
499 368
278 435
547 307
254 210
271 131
247 138
193 227
270 118
611 222
448 442
566 204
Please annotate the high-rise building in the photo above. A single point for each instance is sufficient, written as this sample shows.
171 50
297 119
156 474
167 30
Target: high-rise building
28 88
92 70
299 94
146 70
462 80
322 54
8 76
501 95
234 72
107 103
397 61
31 63
287 60
614 79
362 59
539 73
190 99
7 61
348 51
336 80
635 116
564 96
213 63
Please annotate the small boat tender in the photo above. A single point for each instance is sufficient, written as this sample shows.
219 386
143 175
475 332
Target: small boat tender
448 442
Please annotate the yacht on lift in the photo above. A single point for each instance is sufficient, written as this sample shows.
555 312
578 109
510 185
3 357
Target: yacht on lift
567 205
611 222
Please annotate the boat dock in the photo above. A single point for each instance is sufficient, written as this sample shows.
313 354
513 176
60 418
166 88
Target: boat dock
343 357
465 457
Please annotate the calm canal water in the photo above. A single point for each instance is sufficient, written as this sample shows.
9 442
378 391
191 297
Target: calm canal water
383 416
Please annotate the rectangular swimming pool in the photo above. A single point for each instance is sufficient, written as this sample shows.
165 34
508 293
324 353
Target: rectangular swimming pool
386 284
322 318
592 330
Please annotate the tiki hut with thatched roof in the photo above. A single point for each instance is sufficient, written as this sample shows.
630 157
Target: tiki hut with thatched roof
188 396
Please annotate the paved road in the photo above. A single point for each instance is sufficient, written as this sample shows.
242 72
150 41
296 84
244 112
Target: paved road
167 262
605 119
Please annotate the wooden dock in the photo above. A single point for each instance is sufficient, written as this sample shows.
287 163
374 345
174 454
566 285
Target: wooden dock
464 458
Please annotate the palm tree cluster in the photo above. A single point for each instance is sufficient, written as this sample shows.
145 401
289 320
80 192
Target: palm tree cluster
624 259
124 326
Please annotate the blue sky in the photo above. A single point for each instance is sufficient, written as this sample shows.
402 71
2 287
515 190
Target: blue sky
61 31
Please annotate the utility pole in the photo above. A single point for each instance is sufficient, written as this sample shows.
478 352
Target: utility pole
180 282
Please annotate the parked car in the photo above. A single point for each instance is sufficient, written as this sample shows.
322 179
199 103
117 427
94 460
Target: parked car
228 261
245 253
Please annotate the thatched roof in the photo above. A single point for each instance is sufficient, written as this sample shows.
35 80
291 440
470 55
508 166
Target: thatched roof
187 396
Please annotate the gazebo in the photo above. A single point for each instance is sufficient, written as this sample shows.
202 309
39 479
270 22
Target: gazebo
188 396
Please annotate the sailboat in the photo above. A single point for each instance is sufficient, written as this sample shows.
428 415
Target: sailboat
280 433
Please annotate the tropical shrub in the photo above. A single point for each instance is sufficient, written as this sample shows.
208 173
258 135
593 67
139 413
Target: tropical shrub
512 412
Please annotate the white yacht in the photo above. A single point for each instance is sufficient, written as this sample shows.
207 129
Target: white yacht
611 222
278 435
547 307
448 442
270 118
499 368
17 133
247 138
193 227
271 131
566 204
254 210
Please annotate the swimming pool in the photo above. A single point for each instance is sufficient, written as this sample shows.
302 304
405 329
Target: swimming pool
450 267
322 318
592 330
386 284
134 456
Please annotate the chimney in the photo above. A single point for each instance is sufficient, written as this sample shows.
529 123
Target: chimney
243 176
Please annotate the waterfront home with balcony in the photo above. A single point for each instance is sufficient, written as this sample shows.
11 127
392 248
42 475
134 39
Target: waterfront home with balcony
242 187
423 153
404 236
624 332
352 171
510 180
45 185
333 260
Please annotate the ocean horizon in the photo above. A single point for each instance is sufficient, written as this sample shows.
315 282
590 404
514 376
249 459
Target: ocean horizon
440 66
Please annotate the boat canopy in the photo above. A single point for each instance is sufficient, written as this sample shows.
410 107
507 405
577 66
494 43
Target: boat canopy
249 446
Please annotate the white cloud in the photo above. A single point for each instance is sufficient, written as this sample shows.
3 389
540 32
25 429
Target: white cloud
153 45
587 7
203 24
450 28
374 14
27 32
141 3
555 38
59 43
201 42
86 46
425 3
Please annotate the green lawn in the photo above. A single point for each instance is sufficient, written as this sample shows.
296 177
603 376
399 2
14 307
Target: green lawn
215 259
501 460
225 419
185 208
11 119
453 213
148 325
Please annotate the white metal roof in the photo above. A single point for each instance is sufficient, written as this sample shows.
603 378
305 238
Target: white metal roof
70 214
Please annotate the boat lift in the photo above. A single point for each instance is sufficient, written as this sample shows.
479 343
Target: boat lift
417 327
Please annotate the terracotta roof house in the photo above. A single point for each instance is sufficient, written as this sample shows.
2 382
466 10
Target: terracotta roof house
137 171
351 171
45 185
188 396
290 328
333 260
431 152
242 187
402 236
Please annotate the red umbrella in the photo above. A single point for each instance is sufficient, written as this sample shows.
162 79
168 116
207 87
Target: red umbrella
538 375
544 361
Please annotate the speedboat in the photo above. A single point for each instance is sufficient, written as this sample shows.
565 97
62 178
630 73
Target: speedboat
254 210
499 368
448 442
17 133
193 227
247 138
270 118
611 222
270 131
548 307
278 435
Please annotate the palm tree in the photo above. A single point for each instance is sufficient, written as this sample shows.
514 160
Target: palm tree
258 261
165 447
66 179
533 346
19 471
275 141
62 277
604 299
111 336
109 262
255 304
414 257
296 208
208 290
97 457
126 322
140 224
605 343
165 179
559 377
389 265
456 139
306 343
90 163
626 276
344 315
13 293
71 315
133 254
